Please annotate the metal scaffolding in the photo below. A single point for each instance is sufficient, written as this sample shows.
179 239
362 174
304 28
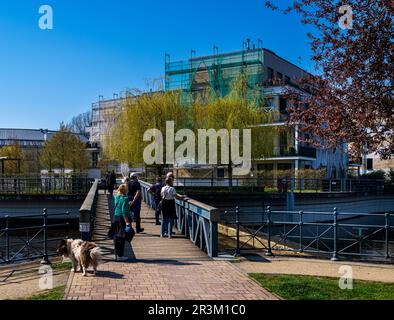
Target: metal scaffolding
215 72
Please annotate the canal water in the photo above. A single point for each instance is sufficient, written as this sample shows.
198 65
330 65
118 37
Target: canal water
16 208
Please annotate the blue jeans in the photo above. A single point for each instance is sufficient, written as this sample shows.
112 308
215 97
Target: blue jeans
166 223
157 213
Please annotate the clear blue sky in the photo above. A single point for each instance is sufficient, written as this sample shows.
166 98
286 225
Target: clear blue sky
101 47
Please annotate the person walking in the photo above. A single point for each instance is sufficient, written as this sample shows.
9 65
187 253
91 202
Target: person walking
135 199
111 183
155 191
168 194
121 223
107 179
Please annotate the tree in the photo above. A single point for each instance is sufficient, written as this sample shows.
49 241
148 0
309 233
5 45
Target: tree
352 100
79 123
124 141
64 150
14 151
241 109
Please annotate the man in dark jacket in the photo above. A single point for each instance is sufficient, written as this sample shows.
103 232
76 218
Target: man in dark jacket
111 183
155 190
135 198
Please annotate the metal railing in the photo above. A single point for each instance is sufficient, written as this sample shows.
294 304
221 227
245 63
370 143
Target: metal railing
298 185
36 185
195 220
87 212
21 241
357 235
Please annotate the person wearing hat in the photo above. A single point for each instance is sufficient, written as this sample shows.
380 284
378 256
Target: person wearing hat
135 198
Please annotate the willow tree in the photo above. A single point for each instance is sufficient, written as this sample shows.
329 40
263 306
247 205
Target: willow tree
244 108
125 139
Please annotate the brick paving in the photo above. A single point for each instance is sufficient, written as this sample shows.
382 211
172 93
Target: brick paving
160 269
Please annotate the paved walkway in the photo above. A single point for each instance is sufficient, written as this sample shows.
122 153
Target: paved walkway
160 269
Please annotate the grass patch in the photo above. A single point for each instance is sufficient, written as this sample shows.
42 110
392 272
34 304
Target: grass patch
294 287
62 266
57 266
54 294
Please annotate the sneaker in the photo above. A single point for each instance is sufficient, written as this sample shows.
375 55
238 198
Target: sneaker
140 230
121 259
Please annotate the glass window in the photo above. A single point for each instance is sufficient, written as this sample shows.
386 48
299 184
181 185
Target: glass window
270 73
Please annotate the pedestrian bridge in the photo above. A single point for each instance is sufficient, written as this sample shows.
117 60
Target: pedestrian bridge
162 268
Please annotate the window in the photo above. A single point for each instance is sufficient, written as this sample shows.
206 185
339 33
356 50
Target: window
284 166
369 164
270 73
287 79
282 105
220 173
265 167
279 76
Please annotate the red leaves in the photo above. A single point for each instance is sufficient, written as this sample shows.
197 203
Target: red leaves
353 99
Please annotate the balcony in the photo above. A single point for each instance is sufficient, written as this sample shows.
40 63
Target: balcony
303 151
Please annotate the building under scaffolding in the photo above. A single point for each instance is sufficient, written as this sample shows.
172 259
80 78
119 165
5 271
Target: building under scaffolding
216 72
271 75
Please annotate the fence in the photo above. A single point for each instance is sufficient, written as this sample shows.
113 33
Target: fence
20 241
358 235
195 220
298 185
36 185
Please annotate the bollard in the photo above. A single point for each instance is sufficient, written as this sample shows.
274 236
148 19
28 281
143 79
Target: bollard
387 227
269 249
7 238
301 223
45 259
335 238
238 250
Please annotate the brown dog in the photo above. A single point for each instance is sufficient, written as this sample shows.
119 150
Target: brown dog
81 253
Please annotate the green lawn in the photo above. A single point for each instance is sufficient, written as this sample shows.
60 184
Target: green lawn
293 287
54 294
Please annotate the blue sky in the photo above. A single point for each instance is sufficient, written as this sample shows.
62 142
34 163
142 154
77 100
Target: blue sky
103 47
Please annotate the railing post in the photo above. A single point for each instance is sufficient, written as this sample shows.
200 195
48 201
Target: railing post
335 238
387 226
45 259
301 213
7 238
269 249
238 250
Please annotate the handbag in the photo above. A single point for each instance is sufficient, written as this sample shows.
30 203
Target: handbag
160 205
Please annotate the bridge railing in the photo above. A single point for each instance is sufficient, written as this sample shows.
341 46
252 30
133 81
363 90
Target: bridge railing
22 241
264 184
37 185
87 212
195 220
357 235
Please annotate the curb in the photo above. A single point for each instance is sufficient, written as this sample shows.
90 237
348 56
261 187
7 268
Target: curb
68 285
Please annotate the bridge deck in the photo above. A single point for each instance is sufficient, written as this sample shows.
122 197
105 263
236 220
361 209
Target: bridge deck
159 269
